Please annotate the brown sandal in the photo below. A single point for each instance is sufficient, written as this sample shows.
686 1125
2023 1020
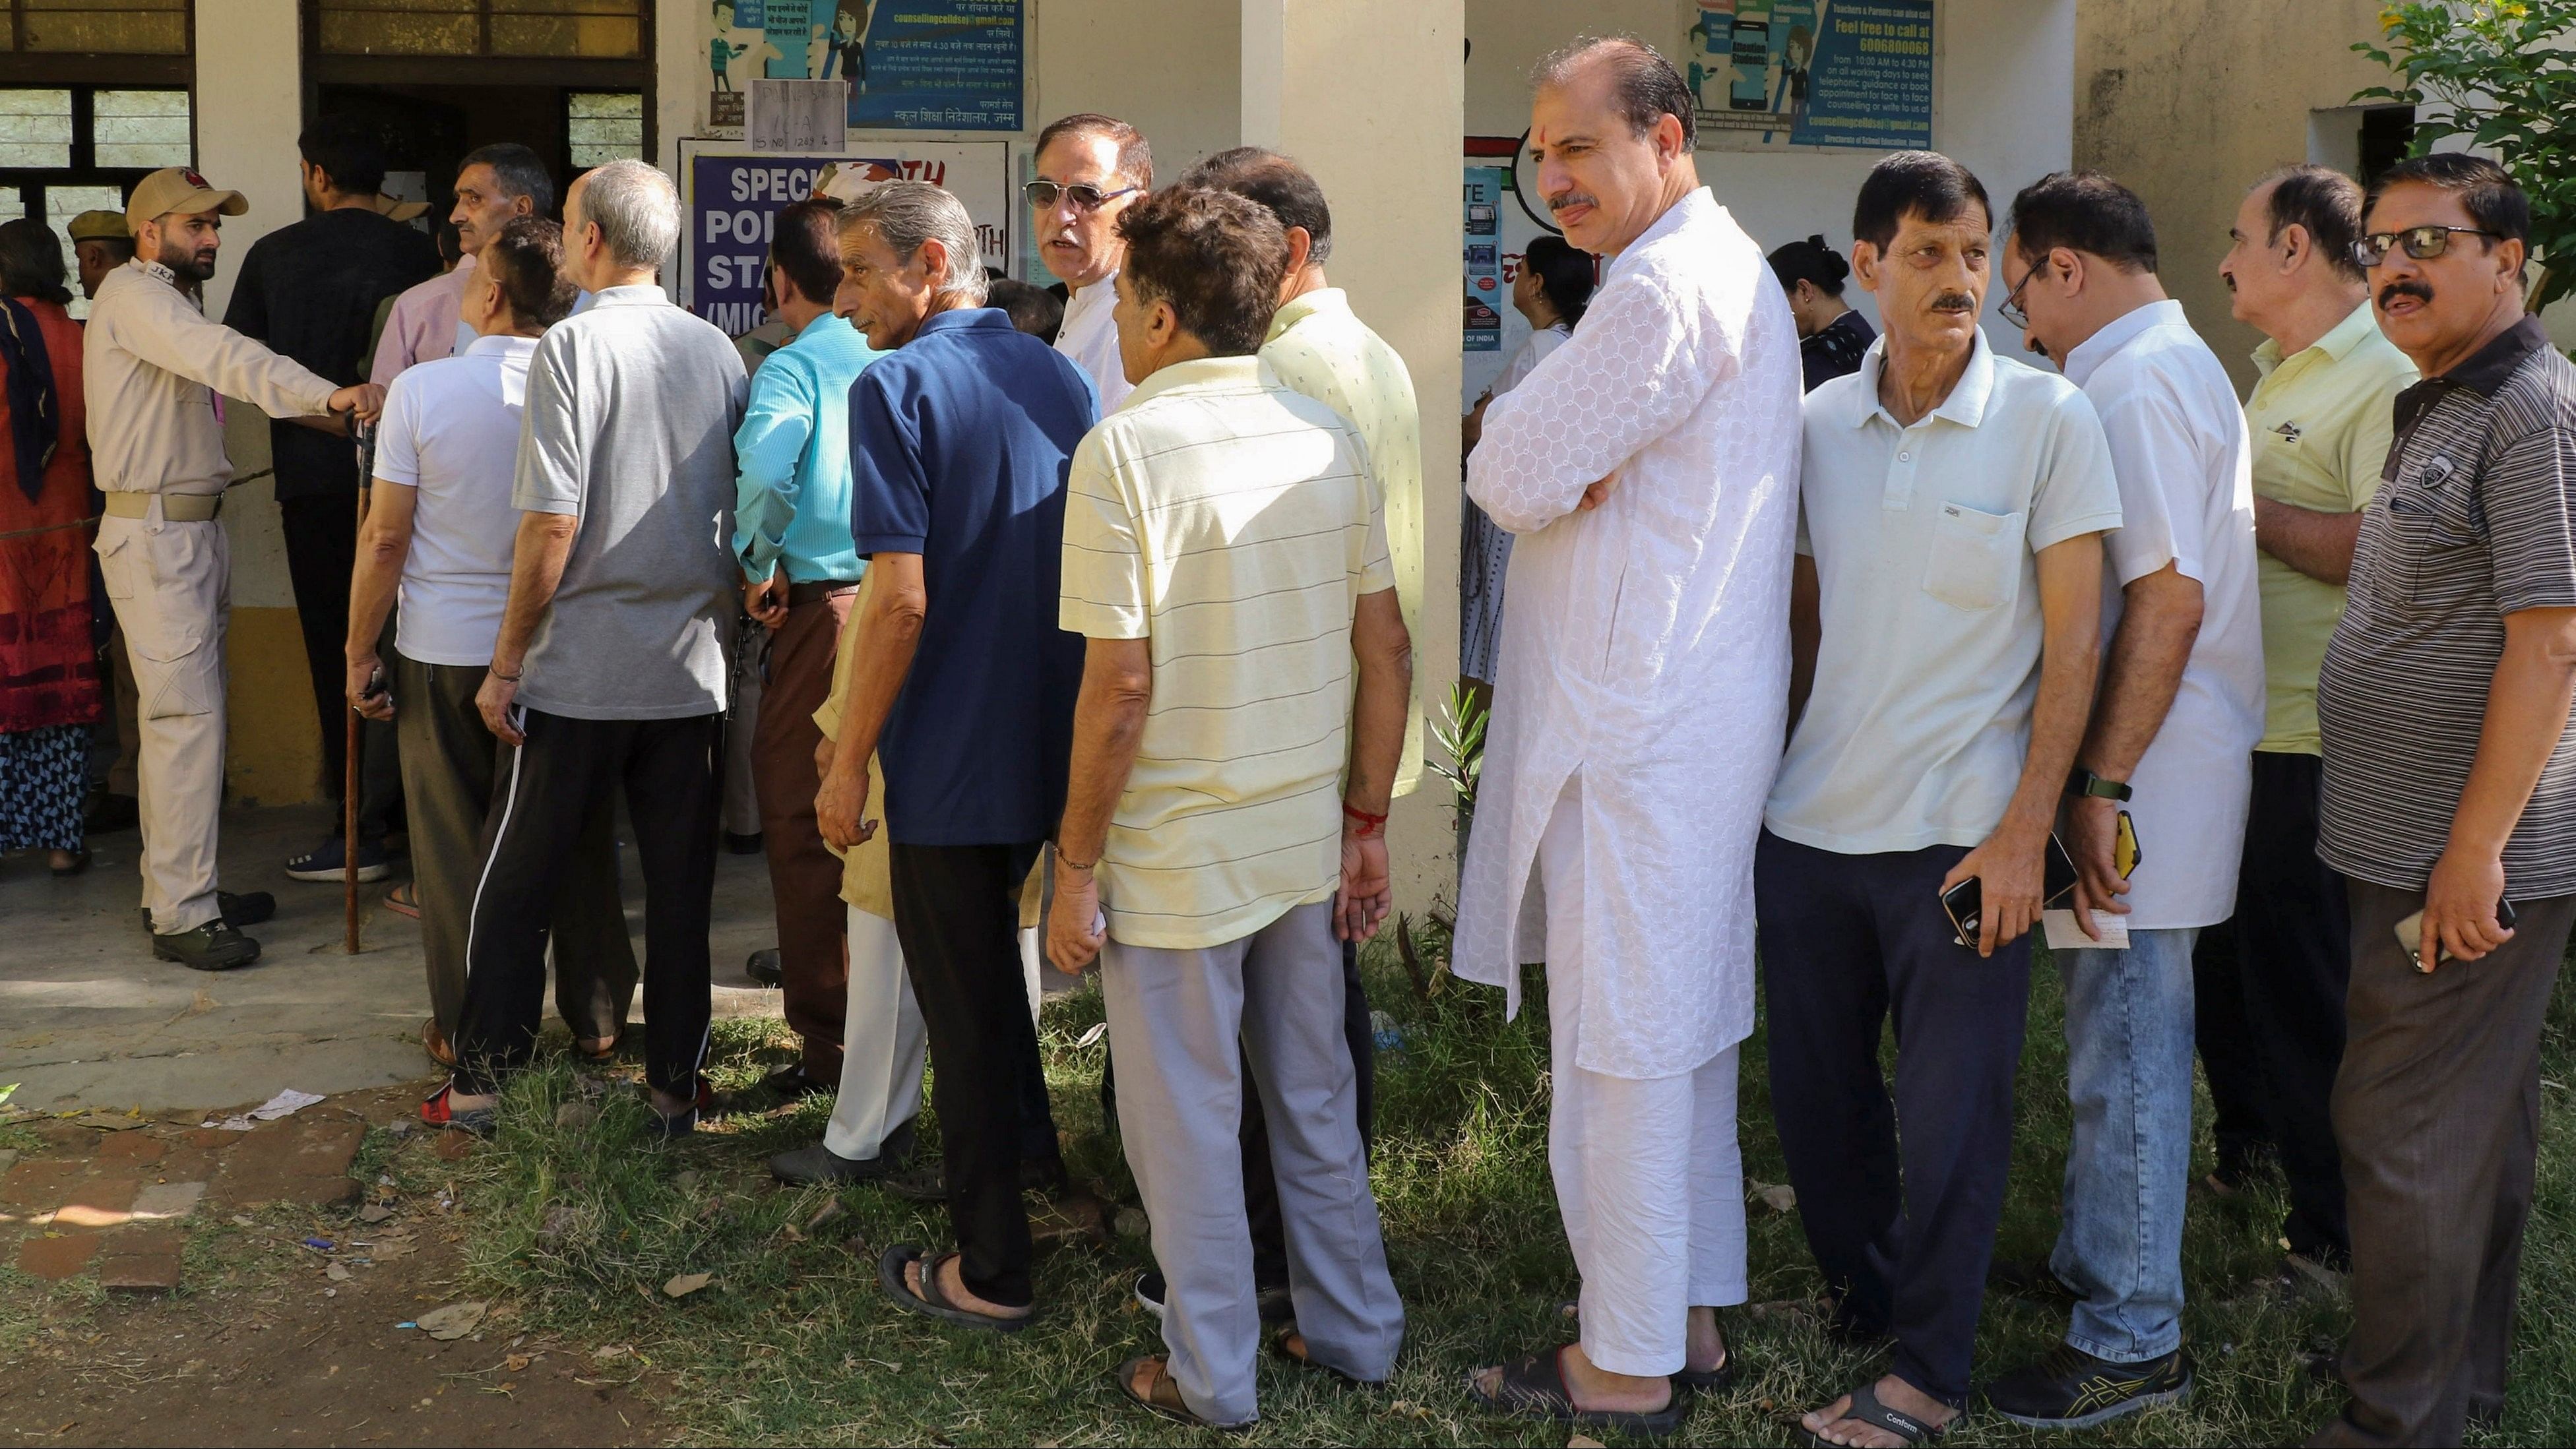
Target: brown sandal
1164 1397
434 1042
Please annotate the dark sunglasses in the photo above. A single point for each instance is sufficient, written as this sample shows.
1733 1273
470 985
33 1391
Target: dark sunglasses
2423 243
1086 197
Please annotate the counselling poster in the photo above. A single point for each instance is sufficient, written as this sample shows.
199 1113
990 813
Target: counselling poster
1848 73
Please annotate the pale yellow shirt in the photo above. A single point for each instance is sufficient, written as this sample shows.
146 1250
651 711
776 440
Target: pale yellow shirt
1227 519
2321 424
1321 348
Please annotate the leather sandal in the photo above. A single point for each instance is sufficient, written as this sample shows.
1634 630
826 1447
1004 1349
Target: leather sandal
931 1301
1535 1388
1164 1397
434 1042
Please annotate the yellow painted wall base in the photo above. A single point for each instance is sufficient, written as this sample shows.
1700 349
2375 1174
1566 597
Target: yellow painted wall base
272 755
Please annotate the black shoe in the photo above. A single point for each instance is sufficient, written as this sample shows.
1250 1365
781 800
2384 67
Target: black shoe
2030 1278
763 967
109 814
2071 1389
742 844
325 862
214 946
792 1082
247 909
819 1163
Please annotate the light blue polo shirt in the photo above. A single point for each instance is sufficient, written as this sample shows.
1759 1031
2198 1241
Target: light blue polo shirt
792 494
1925 540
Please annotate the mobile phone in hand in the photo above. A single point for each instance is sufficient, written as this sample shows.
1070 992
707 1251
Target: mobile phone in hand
2410 932
1964 903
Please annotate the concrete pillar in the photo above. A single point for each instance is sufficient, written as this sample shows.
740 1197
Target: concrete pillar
1374 105
249 107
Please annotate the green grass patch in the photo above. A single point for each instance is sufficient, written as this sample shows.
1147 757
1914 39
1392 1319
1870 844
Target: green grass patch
578 1223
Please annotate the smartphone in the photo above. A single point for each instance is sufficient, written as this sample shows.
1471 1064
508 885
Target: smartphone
1964 902
2410 932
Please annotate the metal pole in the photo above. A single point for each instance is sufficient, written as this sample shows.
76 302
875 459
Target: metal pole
366 441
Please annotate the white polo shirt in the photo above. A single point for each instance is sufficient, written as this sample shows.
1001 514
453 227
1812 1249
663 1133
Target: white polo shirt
1089 335
2178 444
451 430
1925 539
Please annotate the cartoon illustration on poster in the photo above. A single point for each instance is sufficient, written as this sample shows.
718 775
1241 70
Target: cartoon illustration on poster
1766 73
950 65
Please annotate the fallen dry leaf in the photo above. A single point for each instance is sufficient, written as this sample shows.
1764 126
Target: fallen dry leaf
516 1363
687 1283
452 1322
374 1212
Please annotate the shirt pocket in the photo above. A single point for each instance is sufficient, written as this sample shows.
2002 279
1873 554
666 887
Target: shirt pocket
2440 551
1976 557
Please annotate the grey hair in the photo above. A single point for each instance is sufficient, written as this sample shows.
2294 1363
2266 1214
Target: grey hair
1644 85
519 171
636 209
908 213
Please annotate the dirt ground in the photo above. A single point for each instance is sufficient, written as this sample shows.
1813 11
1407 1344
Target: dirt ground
265 1343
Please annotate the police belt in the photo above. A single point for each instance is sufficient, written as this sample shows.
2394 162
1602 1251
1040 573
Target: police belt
175 507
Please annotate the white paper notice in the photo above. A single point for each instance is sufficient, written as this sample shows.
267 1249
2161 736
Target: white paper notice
798 117
2065 935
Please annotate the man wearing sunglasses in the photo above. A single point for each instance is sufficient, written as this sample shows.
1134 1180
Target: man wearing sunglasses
1090 169
2450 787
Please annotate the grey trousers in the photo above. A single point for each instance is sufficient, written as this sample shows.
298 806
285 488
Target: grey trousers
2437 1110
1175 1018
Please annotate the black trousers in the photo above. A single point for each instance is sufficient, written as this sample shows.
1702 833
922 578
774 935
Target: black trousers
2272 1015
321 552
1902 1226
957 913
549 788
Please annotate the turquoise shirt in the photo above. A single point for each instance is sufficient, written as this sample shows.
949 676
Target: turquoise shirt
792 495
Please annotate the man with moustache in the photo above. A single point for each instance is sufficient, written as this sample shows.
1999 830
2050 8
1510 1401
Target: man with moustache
153 361
1945 623
1648 469
495 185
1089 169
2450 788
2270 995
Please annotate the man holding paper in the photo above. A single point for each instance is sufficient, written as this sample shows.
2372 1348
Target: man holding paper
2172 735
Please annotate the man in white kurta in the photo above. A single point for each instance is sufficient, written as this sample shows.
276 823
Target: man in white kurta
1649 470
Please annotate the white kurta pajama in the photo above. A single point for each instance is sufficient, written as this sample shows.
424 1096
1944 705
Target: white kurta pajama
1637 723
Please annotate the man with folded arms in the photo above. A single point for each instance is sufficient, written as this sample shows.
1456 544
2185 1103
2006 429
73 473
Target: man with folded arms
2180 709
1243 702
1946 621
1649 470
442 527
2451 787
959 445
609 670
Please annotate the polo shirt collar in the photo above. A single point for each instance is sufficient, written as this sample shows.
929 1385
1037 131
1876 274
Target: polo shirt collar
1966 404
2337 344
1319 302
2489 366
1242 371
500 342
641 294
959 318
2087 357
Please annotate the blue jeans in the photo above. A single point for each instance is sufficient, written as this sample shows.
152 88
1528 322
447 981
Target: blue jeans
2128 1075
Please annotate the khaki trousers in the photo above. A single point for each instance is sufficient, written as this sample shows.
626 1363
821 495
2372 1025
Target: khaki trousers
172 585
804 876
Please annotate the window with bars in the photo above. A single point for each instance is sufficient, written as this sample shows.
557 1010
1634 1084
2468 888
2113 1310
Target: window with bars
115 27
498 29
69 149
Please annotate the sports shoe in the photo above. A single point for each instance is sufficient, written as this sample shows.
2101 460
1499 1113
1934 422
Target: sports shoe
214 946
819 1163
323 862
2071 1389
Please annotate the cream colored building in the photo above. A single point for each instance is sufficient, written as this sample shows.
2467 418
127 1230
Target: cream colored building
1380 97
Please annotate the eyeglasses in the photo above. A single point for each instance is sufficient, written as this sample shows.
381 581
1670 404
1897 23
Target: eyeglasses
2423 243
1086 197
2010 309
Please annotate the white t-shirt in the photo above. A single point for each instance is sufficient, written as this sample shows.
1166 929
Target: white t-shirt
1926 541
1089 335
2179 445
451 430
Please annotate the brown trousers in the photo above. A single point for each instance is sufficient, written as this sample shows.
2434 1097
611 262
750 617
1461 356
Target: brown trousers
2437 1110
449 766
804 876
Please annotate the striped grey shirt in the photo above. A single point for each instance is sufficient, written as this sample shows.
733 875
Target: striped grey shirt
2475 519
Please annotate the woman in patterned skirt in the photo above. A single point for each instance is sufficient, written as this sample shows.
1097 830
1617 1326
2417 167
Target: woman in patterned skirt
1552 288
49 672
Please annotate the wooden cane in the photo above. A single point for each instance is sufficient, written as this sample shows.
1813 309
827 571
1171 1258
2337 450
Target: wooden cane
366 440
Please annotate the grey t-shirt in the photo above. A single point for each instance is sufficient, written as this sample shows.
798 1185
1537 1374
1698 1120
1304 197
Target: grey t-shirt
631 412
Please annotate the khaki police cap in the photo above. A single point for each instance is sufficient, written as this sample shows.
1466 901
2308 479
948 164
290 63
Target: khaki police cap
181 189
100 226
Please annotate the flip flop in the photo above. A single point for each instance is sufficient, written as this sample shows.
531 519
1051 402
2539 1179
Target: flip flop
435 1043
1699 1381
1165 1397
436 1111
931 1302
1534 1388
1303 1358
403 900
1866 1409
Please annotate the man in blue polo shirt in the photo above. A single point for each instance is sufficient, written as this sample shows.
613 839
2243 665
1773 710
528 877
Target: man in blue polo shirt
963 685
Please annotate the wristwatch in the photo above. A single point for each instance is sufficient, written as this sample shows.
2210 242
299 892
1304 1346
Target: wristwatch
2084 782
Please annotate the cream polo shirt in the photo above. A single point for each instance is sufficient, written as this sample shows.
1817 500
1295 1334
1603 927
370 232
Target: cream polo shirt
1226 519
2321 423
1321 348
1926 541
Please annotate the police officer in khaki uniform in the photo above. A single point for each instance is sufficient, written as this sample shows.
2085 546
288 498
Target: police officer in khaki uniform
101 242
154 364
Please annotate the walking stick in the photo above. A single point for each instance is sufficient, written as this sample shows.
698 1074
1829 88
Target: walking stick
366 440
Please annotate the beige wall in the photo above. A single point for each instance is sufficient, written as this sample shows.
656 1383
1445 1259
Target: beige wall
2189 101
